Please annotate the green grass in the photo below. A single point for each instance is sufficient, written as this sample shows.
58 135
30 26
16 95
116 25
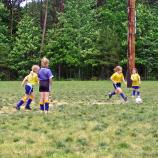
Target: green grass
81 124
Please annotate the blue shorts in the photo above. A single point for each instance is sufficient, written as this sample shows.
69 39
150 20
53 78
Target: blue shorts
28 89
135 87
117 85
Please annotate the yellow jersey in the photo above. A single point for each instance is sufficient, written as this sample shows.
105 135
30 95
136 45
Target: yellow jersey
32 78
135 79
118 78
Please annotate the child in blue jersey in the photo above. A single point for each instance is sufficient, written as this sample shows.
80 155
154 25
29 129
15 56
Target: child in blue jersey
117 78
29 81
45 81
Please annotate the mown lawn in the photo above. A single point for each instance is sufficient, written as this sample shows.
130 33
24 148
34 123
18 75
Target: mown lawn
81 123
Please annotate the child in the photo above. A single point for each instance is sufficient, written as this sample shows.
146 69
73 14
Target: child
29 81
117 78
135 82
45 80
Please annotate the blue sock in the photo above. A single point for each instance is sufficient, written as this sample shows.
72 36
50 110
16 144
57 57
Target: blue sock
113 93
28 103
122 95
138 93
46 106
133 93
41 107
20 103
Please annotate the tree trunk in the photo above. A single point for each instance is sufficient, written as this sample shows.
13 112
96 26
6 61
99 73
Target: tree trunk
11 21
102 76
41 14
44 27
59 71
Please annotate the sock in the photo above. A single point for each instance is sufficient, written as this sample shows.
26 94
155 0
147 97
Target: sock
46 105
20 103
138 93
41 106
122 95
133 93
113 93
28 103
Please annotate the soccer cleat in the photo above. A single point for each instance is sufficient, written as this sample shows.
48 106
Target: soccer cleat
28 108
126 99
17 108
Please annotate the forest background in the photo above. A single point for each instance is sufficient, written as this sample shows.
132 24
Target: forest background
84 39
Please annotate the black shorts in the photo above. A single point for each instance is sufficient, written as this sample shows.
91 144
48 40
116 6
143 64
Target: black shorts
117 85
44 86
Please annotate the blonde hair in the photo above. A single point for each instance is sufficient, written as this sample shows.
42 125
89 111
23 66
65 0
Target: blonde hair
117 68
35 68
44 62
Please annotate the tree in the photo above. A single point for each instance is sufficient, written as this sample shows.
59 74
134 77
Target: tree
4 43
26 47
147 33
72 37
13 6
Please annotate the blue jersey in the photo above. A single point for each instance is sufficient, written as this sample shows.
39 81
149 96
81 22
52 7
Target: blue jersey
45 74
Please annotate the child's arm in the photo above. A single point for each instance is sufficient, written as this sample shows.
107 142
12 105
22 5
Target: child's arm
139 79
111 78
24 81
132 78
50 83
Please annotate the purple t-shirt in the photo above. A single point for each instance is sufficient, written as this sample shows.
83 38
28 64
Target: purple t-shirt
45 74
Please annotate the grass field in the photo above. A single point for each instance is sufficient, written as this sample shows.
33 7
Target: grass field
81 123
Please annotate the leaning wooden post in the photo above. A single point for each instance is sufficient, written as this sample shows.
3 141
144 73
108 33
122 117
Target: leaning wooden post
131 39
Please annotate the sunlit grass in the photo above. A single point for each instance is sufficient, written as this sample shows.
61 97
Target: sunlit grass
81 124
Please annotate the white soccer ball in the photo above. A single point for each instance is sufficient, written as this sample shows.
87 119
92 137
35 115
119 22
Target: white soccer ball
138 100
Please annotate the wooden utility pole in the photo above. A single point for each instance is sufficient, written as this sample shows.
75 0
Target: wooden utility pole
131 39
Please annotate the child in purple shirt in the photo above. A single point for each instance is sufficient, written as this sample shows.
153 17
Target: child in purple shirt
45 80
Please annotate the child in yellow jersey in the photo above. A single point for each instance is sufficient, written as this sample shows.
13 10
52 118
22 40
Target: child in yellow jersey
135 82
117 78
29 81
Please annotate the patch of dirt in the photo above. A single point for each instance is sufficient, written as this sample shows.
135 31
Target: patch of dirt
7 110
57 103
107 102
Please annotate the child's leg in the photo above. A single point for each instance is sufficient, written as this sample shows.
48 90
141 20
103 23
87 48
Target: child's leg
42 101
21 102
113 92
30 98
138 92
46 101
133 92
122 94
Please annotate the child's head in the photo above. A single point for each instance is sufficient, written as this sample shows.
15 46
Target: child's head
35 68
134 70
44 62
118 69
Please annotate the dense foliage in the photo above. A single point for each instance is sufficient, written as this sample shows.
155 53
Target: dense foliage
83 40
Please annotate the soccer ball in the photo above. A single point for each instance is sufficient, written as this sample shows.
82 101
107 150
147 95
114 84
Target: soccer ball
138 100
